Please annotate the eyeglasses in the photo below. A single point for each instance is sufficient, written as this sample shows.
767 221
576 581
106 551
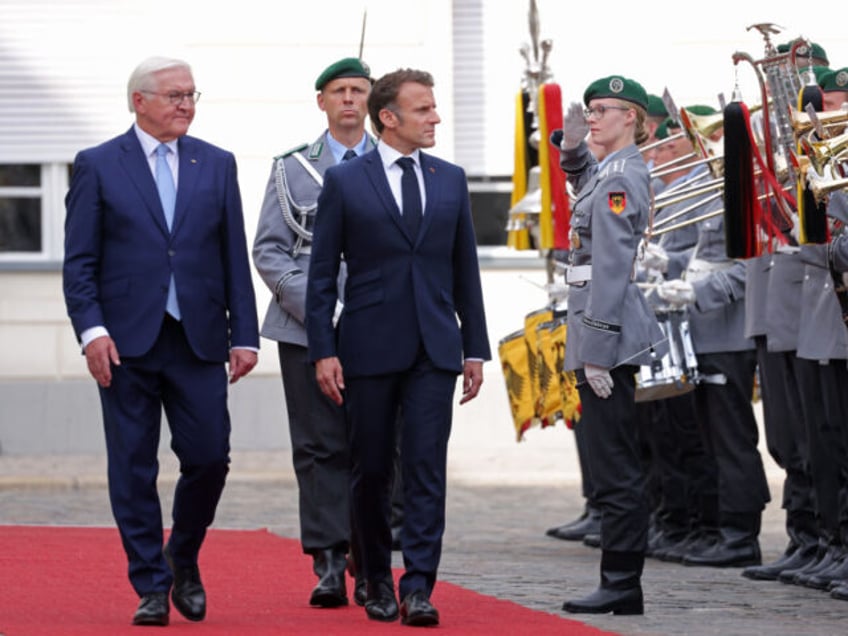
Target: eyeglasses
175 98
600 110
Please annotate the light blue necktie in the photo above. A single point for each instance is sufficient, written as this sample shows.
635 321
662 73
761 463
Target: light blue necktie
168 197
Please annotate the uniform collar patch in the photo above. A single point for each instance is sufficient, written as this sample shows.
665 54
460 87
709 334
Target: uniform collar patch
315 149
617 201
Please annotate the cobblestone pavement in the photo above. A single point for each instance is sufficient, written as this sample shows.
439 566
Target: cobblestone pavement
495 542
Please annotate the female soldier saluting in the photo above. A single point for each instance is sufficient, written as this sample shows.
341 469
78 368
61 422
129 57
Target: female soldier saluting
611 328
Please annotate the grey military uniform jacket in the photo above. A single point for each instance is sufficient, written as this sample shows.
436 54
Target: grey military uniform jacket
822 334
280 251
609 320
678 244
717 319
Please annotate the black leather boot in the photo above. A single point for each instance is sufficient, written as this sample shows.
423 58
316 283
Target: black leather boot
801 551
620 591
738 543
788 576
329 566
832 558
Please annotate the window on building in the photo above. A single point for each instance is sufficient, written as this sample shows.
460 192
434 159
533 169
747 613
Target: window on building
31 212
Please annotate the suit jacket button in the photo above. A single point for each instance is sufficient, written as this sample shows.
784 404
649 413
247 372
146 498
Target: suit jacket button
171 252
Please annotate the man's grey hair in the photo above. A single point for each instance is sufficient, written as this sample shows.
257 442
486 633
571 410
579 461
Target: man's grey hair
142 78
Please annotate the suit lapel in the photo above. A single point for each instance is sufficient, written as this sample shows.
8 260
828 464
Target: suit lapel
138 170
190 167
377 176
432 190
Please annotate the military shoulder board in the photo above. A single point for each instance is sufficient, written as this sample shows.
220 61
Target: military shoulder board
299 148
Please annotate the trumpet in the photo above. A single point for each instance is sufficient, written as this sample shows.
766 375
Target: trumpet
802 123
822 153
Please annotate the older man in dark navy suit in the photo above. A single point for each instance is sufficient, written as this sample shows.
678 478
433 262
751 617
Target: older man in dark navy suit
413 320
157 284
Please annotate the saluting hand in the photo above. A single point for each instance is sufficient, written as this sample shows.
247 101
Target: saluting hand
574 126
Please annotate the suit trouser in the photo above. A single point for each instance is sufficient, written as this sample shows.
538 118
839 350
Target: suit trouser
425 397
726 418
612 441
320 454
194 396
786 435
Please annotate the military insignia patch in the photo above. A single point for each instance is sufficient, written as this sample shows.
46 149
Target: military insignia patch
617 201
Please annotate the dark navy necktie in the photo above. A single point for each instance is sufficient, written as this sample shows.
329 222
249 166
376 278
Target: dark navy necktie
349 154
410 195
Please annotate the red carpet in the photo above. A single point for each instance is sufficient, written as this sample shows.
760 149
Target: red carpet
62 580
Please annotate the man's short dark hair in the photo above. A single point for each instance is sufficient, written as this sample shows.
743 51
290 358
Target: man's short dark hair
385 91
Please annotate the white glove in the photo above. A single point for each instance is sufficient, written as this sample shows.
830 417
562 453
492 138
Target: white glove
655 257
599 379
574 127
677 292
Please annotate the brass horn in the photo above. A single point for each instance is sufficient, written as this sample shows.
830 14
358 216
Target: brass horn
822 153
802 123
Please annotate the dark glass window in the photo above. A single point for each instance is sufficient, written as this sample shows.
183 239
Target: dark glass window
20 208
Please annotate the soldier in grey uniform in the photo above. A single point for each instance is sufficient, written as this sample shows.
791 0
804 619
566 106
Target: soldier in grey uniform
611 327
713 290
790 420
281 255
821 355
837 400
686 504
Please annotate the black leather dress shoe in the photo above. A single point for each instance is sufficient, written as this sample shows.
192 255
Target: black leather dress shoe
329 565
380 601
417 611
188 594
606 601
360 592
152 610
590 523
593 540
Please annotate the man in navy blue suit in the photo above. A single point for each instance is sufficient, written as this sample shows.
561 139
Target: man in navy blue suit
413 320
158 288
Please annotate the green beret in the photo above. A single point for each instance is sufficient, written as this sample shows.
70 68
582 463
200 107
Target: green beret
700 109
347 67
656 108
804 50
834 81
819 72
664 129
617 87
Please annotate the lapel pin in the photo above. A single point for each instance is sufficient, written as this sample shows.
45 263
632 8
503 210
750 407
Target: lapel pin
432 170
194 160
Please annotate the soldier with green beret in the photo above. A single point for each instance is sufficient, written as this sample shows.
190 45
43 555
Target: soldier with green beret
281 255
807 53
611 327
656 114
834 85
